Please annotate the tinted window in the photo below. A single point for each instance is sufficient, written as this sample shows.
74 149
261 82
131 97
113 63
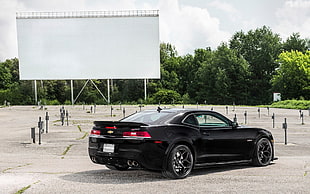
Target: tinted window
149 117
210 120
191 120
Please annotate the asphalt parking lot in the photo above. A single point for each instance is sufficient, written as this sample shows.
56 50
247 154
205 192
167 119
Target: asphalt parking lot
61 164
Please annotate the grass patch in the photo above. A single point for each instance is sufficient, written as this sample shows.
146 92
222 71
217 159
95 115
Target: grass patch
67 150
23 190
15 167
292 104
83 137
79 127
7 170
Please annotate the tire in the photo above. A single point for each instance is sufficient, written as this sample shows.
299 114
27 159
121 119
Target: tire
117 167
263 152
180 163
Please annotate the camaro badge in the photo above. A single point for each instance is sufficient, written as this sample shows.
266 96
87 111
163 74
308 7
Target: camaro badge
110 132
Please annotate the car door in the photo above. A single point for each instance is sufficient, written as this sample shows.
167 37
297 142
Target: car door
220 141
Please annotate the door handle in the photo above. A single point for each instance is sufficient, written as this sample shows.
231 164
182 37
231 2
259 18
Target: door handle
206 133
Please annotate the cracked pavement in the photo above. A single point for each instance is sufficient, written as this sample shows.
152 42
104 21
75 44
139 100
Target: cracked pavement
61 164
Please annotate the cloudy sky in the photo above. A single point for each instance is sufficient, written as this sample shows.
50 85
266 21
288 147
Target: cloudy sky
187 24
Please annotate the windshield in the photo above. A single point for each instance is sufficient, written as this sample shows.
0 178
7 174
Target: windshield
146 117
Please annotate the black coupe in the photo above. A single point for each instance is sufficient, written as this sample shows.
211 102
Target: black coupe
174 141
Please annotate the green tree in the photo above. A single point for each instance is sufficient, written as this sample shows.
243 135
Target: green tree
128 90
169 68
11 88
185 74
293 76
200 76
167 51
221 77
260 48
295 43
232 76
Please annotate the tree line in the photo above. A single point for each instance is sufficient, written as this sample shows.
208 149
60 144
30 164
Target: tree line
246 70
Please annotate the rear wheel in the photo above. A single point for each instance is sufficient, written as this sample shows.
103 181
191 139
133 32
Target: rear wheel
263 152
117 167
180 162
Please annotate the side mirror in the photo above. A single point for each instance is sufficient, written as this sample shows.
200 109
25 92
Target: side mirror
234 125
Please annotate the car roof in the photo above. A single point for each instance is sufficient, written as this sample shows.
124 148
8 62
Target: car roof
179 110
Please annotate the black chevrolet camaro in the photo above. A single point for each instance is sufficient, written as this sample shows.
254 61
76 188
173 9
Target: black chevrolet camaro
175 141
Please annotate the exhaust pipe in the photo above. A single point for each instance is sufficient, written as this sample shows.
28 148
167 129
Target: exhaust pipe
94 159
132 163
135 164
129 162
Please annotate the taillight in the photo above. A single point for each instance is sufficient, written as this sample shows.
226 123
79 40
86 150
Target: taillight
111 127
144 134
95 132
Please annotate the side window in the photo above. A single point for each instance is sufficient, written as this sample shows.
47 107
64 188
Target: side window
206 120
191 120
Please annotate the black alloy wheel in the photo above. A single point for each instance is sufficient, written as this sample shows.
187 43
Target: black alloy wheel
117 167
263 152
180 162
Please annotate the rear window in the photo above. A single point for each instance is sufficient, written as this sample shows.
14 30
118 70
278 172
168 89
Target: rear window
152 118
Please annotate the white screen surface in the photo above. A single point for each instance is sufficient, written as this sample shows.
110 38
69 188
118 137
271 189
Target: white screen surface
88 48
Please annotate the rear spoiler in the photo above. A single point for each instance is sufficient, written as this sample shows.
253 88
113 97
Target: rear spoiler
118 124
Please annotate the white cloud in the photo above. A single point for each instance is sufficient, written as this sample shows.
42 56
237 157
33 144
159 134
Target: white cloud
186 24
226 8
8 40
188 27
294 16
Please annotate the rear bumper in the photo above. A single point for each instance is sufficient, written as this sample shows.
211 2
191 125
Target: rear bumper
147 153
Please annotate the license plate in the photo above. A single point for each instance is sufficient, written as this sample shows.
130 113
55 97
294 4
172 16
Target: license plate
108 148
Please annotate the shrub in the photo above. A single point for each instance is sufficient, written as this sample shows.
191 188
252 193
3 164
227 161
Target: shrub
165 96
292 104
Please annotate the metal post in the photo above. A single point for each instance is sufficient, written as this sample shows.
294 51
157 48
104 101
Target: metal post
302 118
94 108
46 121
123 112
67 115
145 93
108 84
227 110
35 92
273 118
62 117
235 118
33 134
245 117
111 111
72 96
284 126
258 110
40 126
268 110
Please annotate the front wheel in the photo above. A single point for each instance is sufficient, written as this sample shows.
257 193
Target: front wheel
180 162
263 152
